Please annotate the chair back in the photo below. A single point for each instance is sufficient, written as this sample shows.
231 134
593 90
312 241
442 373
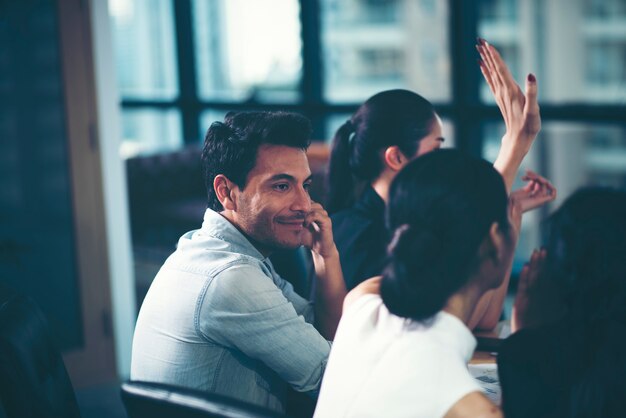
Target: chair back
158 400
33 379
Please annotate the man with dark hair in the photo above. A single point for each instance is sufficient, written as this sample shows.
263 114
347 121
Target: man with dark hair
217 316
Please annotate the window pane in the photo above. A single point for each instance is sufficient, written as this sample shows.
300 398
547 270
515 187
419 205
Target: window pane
370 46
145 49
571 155
585 155
150 131
248 49
333 123
577 49
207 118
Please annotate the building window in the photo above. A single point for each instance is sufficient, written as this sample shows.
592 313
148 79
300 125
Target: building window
183 64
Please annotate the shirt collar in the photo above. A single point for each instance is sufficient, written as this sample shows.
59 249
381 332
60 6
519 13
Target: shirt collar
217 226
371 202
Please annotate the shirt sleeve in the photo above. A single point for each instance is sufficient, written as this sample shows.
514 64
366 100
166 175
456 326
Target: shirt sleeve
302 306
244 309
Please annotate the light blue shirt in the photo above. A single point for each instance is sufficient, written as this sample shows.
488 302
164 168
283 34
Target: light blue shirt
218 318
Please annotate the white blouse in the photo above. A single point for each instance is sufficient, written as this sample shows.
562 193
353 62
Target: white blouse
382 365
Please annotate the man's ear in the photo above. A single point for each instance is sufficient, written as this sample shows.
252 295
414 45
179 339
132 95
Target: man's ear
394 158
225 191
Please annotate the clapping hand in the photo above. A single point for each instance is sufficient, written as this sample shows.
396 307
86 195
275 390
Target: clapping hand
522 314
537 192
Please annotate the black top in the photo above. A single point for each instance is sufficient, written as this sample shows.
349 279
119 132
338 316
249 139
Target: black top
541 371
361 238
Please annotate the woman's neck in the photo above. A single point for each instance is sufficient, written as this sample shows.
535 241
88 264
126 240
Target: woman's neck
382 183
463 303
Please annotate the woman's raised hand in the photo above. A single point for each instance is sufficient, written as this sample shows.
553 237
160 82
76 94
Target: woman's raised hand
537 191
520 110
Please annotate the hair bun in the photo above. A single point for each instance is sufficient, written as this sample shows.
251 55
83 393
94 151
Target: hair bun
408 238
410 277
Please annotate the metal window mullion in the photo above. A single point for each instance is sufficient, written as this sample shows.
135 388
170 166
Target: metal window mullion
187 102
312 83
465 74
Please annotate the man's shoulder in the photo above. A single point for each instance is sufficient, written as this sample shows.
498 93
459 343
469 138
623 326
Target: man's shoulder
242 275
209 255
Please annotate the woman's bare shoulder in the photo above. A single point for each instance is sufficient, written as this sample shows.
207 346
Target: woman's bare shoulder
368 287
475 405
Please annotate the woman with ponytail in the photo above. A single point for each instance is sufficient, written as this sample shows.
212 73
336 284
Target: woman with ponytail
569 358
390 129
403 342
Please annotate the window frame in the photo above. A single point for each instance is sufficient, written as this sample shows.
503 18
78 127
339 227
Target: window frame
465 111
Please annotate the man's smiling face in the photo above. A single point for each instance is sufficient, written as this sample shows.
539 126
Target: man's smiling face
271 207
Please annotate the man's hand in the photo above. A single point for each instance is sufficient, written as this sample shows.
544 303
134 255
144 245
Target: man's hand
330 289
318 232
537 192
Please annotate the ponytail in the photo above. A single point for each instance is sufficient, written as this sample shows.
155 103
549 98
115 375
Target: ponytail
390 118
341 185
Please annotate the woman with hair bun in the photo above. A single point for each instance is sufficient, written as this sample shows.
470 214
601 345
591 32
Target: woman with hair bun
403 342
392 128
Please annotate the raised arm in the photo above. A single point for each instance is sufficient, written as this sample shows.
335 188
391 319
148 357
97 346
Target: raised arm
537 192
330 286
520 111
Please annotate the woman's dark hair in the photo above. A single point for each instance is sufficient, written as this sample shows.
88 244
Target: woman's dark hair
441 207
586 261
586 254
392 117
230 147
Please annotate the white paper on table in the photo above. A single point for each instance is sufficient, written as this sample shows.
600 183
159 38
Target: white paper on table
487 377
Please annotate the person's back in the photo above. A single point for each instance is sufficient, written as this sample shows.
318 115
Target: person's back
403 342
542 371
395 367
204 324
569 358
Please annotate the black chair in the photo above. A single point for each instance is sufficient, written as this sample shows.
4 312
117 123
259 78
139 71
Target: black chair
158 400
33 379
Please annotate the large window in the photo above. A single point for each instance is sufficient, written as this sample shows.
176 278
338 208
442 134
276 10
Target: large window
185 63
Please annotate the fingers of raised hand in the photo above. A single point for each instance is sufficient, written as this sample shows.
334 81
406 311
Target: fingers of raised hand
489 64
500 65
487 75
539 184
487 59
498 68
